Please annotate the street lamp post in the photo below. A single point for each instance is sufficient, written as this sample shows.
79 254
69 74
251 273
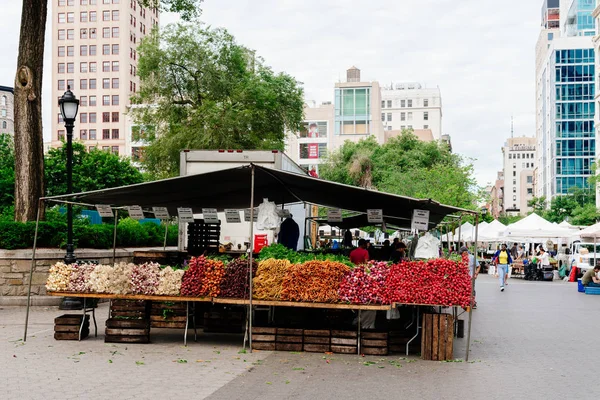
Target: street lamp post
69 106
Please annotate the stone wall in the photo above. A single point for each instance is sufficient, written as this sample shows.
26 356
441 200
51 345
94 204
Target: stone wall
15 266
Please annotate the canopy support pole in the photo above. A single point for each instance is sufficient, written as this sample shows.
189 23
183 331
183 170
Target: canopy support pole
166 233
472 302
37 225
114 257
459 233
250 256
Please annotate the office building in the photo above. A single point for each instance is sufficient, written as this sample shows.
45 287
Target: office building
7 110
596 44
411 106
565 91
94 52
518 166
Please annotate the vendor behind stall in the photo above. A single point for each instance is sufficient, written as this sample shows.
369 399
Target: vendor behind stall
399 253
360 255
590 278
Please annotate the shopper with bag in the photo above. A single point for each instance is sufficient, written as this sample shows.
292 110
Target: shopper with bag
502 260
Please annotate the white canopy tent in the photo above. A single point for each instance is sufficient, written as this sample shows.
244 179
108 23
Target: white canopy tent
492 232
590 232
567 225
466 232
534 228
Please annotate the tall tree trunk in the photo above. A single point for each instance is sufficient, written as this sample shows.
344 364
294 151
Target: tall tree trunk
29 136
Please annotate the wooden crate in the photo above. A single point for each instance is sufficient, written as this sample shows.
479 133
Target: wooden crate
374 343
167 314
263 338
344 342
317 340
66 327
289 339
437 337
127 330
128 308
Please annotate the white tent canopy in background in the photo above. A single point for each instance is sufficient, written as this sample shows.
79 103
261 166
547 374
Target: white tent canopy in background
467 233
590 232
492 232
567 225
535 227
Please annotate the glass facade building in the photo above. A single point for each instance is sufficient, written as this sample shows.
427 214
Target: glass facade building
574 144
353 111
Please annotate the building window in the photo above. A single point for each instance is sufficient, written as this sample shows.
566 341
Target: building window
83 134
92 67
70 2
425 103
60 118
529 191
83 67
83 50
115 83
92 33
61 34
514 165
514 181
83 2
389 117
382 114
382 101
115 66
70 17
115 117
410 127
61 68
61 3
61 18
515 198
410 116
115 149
106 15
105 148
70 68
426 116
92 102
403 127
92 134
83 118
83 33
425 126
105 66
83 101
106 49
61 135
83 84
105 33
409 103
92 83
92 121
61 51
402 116
115 49
106 83
70 84
402 103
70 34
106 100
105 117
61 84
70 51
115 32
389 104
83 16
115 15
115 100
93 16
529 179
115 133
105 134
92 49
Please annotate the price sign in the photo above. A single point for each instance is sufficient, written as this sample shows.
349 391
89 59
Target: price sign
247 215
136 212
105 211
334 215
233 216
375 216
420 220
185 215
160 212
210 215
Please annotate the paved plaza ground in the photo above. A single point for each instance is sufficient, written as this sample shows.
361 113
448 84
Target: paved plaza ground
537 340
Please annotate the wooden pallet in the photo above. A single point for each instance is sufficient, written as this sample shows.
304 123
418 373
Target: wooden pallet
344 342
128 309
66 327
127 330
168 315
317 340
374 343
263 338
289 339
437 337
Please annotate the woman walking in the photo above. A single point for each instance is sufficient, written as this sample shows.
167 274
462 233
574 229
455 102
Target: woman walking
502 259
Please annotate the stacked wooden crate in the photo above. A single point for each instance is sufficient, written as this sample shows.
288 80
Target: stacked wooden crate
374 343
263 338
437 337
344 342
317 340
66 327
288 339
129 322
168 314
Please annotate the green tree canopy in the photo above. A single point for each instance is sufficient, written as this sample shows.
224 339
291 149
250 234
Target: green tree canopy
93 170
208 92
406 166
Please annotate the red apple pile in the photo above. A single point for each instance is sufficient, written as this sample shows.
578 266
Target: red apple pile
191 284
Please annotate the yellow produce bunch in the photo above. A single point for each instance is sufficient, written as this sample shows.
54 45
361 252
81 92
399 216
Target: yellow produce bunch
269 277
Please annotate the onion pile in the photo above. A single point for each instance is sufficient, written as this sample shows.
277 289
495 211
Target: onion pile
80 278
144 278
365 284
169 282
59 278
235 284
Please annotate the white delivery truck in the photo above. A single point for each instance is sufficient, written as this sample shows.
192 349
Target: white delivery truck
583 255
202 161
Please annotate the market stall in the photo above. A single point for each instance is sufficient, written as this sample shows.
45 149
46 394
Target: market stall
245 187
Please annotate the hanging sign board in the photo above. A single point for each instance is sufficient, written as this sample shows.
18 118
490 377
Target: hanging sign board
375 216
160 212
210 215
185 215
136 212
247 215
334 215
233 216
105 211
420 220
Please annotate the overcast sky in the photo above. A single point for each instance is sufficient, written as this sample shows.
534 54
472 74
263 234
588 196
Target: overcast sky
479 52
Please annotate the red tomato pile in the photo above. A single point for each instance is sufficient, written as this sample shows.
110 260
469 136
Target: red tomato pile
437 282
213 275
365 284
